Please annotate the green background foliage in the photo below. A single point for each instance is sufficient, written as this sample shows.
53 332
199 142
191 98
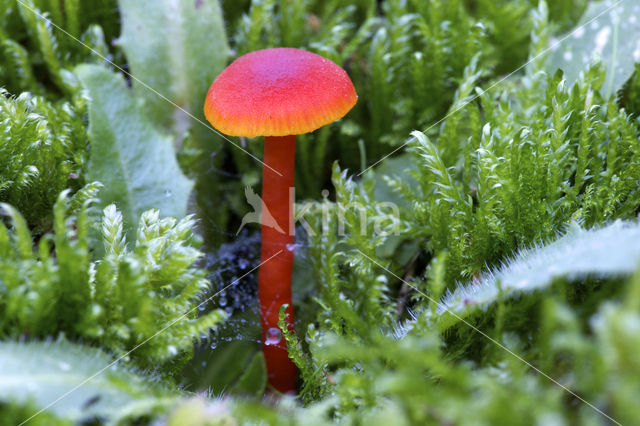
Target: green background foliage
132 158
513 169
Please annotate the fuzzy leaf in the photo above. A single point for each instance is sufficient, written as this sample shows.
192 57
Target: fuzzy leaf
42 372
613 38
606 252
134 160
177 48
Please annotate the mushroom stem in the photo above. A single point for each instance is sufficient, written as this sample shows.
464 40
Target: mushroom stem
274 276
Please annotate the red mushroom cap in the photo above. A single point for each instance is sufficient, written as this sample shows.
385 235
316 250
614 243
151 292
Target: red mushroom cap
278 92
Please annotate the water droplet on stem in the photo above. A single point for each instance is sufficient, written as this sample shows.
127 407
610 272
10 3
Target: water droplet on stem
273 336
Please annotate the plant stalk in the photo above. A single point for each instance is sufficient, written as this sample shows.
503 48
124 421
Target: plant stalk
274 276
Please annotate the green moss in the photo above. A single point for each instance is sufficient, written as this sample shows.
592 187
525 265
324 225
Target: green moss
43 149
139 296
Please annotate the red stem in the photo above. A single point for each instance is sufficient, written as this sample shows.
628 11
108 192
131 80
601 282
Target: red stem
274 276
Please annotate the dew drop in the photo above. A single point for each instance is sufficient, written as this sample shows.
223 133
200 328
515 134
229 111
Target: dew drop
579 32
602 38
243 263
273 337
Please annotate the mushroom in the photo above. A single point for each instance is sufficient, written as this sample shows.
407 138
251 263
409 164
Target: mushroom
278 93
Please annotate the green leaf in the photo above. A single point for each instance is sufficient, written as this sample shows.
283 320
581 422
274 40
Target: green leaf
385 176
219 369
43 372
254 379
129 155
611 251
612 37
399 167
177 48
